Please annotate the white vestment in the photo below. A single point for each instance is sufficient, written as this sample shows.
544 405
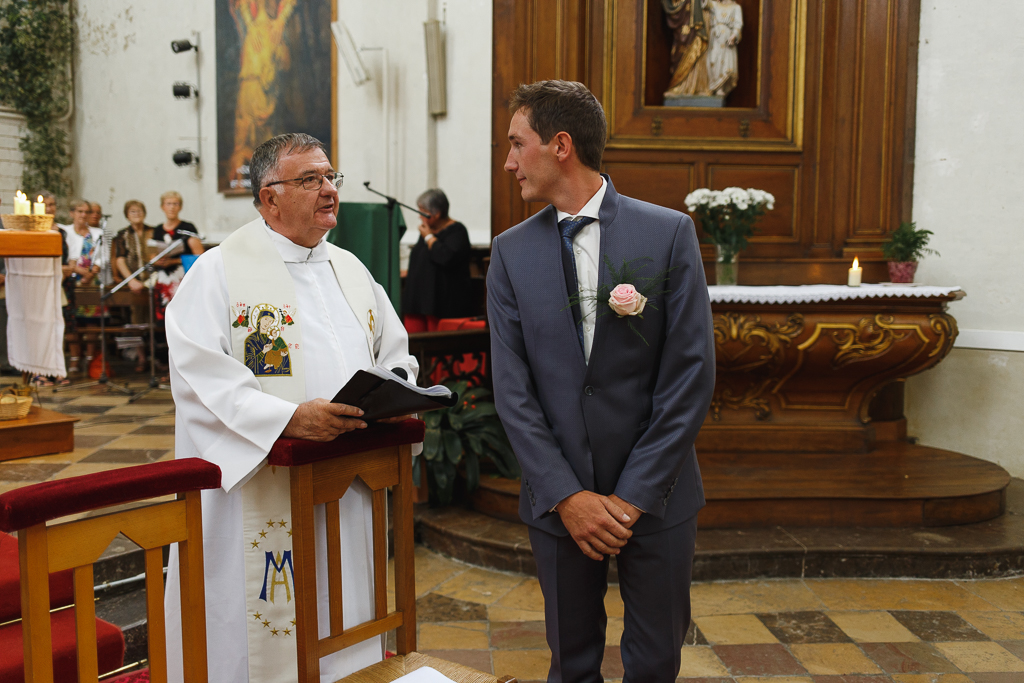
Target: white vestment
224 416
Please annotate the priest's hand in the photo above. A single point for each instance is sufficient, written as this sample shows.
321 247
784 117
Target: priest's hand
595 523
631 510
321 420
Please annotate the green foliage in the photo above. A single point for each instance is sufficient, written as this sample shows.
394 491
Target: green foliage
907 243
36 38
465 433
729 227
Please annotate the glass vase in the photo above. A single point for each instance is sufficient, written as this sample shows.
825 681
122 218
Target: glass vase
727 271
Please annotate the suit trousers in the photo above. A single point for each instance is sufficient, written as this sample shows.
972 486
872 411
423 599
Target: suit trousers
654 580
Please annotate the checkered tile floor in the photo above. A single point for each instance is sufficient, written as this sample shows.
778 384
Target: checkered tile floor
783 631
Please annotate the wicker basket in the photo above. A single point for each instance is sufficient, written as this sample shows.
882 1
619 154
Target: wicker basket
12 406
22 222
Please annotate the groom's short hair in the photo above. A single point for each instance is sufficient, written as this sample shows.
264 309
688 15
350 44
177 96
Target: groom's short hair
555 106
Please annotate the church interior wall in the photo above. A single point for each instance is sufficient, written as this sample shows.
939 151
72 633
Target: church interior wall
127 124
968 143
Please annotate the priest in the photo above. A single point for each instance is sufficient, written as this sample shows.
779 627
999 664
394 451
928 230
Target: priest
310 316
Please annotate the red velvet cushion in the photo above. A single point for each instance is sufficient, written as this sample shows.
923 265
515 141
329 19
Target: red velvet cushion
30 505
449 324
61 588
109 641
294 452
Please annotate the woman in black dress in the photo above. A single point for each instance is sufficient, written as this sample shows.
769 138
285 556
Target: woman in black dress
437 284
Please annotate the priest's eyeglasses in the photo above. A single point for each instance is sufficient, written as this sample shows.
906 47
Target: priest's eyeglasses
314 181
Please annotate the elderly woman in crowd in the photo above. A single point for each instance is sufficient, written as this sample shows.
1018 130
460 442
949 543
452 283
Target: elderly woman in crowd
83 243
128 252
169 276
437 284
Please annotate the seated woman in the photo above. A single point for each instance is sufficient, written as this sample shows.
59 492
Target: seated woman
83 244
168 277
437 284
128 253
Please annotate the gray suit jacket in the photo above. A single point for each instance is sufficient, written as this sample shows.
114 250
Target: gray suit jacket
625 423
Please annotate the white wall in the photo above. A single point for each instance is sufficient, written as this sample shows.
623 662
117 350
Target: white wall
127 124
967 189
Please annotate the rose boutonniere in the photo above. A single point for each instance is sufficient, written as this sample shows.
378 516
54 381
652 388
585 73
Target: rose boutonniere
628 292
625 300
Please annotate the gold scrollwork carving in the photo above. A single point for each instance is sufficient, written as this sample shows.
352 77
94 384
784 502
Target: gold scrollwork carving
761 348
945 327
869 338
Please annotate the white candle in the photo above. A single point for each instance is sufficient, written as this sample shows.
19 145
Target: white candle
855 273
21 205
39 208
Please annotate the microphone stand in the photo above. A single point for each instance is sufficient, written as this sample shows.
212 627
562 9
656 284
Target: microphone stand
392 202
148 268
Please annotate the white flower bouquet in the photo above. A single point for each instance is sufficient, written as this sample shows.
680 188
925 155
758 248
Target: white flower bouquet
727 218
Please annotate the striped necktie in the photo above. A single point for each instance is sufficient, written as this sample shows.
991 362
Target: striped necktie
569 228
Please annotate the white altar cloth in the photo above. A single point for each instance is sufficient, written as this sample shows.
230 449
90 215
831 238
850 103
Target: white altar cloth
803 294
35 326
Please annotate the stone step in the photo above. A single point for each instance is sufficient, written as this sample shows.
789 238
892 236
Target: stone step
993 548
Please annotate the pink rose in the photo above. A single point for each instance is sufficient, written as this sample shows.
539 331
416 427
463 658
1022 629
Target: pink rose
625 300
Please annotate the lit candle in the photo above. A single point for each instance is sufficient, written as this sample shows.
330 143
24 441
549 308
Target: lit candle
39 208
854 278
21 205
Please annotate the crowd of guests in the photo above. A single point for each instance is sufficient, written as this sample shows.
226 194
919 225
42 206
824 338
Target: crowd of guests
83 259
437 285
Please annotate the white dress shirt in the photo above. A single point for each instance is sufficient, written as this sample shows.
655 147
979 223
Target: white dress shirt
586 247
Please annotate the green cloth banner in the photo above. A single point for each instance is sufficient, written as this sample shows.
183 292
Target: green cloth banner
363 229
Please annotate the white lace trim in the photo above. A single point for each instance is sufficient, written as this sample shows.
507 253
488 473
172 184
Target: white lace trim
800 294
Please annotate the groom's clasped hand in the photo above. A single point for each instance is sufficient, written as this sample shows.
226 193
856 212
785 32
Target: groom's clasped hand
600 525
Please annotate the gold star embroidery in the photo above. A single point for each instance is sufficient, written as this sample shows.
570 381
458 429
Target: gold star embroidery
282 524
273 631
266 624
289 532
270 523
293 622
255 544
263 534
287 631
258 616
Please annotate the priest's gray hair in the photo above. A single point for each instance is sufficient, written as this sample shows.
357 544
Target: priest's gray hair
264 161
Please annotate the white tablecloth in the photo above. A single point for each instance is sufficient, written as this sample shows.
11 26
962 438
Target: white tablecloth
801 294
35 326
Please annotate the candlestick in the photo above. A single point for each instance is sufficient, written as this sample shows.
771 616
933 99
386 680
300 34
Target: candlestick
39 208
21 205
855 274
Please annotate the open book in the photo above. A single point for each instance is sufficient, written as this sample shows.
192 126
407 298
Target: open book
381 394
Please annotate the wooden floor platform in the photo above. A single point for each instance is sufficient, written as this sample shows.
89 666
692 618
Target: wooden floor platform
896 485
41 432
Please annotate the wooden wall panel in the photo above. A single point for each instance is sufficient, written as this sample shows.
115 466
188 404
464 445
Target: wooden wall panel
664 184
778 225
841 183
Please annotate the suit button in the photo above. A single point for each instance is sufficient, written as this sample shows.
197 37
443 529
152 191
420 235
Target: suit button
589 391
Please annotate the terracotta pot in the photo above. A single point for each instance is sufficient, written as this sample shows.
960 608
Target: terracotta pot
902 271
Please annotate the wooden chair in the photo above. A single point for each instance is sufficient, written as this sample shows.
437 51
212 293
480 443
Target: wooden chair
78 544
320 474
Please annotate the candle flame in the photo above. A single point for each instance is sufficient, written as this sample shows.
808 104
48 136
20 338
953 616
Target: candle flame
856 263
20 195
39 199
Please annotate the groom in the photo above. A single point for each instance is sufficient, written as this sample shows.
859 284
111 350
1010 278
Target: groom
602 409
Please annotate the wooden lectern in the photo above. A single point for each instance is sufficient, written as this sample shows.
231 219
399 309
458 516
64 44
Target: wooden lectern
320 475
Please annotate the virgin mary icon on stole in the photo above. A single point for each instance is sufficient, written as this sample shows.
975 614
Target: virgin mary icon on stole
266 351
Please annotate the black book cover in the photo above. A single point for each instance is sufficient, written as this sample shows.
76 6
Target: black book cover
381 397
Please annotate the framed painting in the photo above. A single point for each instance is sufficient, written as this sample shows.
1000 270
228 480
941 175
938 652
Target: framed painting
275 60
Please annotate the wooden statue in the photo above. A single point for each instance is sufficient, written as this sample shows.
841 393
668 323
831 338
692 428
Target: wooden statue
704 64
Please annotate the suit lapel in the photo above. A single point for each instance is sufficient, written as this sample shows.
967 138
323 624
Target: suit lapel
551 277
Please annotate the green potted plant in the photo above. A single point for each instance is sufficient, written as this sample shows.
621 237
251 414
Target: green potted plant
463 434
906 246
727 218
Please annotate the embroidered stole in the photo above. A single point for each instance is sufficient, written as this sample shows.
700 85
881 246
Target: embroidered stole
266 336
